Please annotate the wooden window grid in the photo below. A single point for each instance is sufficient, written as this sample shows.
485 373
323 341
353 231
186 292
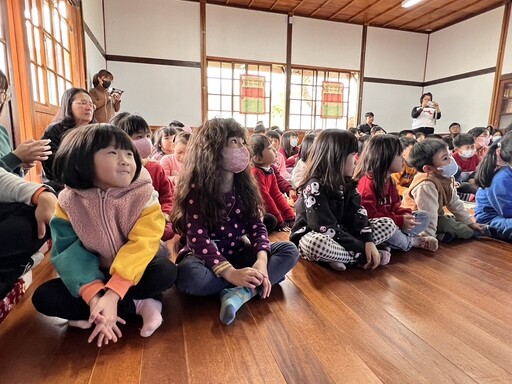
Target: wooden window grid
50 45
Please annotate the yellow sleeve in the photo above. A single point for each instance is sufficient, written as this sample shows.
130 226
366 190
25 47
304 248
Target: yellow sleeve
143 244
396 177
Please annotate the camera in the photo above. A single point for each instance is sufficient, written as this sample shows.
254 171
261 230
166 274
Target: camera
116 90
431 104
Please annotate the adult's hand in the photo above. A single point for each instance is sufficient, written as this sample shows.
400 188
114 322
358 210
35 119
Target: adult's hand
33 150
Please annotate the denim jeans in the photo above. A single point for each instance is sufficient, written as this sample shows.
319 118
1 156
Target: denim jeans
402 239
195 278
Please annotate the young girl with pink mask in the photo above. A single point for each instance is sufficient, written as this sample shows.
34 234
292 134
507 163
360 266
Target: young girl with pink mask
218 208
482 140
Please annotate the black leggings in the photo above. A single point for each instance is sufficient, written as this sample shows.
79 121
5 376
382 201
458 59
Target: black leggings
18 239
53 298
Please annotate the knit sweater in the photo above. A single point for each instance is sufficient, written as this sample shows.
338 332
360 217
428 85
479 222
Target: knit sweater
274 201
337 214
161 184
494 203
431 193
466 165
119 229
388 206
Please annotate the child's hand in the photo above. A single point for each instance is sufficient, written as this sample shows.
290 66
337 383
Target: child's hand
478 227
283 227
105 333
292 194
372 256
245 277
167 217
261 265
105 309
409 222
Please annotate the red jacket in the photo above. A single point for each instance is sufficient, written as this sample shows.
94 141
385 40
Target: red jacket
292 160
466 165
273 199
389 207
161 184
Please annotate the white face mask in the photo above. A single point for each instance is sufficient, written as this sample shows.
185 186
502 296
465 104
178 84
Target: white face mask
468 153
450 169
483 141
294 141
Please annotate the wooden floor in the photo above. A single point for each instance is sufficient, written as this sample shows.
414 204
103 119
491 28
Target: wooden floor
443 318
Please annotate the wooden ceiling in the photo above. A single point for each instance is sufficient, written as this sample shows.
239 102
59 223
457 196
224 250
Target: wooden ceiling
427 16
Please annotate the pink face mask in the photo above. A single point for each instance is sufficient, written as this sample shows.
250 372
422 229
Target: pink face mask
235 159
144 147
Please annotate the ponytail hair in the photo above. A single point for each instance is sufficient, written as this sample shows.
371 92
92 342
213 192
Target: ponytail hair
489 164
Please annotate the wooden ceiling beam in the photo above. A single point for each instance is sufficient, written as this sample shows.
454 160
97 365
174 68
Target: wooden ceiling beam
363 10
385 12
273 5
297 6
342 9
320 7
448 15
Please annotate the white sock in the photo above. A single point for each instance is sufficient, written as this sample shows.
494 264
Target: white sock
337 265
425 242
385 257
151 312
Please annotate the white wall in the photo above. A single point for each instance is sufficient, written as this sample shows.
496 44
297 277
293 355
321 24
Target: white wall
166 29
93 17
507 60
247 35
391 104
397 55
160 93
465 101
464 47
326 44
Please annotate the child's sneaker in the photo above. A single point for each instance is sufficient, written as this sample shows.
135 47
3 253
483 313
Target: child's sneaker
425 242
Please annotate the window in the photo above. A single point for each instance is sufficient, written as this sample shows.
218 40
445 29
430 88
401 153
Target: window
224 92
50 40
308 98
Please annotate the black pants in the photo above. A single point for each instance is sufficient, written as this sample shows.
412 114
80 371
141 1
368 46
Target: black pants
53 298
425 130
18 242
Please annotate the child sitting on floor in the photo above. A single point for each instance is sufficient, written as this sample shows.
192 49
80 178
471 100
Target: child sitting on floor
278 213
433 189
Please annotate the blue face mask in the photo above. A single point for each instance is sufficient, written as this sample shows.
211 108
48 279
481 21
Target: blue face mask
450 169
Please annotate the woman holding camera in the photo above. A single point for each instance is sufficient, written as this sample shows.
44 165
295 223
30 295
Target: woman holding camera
107 103
425 116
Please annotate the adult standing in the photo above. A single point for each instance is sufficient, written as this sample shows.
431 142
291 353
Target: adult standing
366 128
76 110
107 103
425 116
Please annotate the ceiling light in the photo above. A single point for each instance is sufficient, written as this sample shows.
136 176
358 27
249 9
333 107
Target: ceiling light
409 3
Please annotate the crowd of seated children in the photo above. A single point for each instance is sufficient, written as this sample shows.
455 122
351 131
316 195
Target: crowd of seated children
278 214
403 178
163 143
138 130
305 147
381 157
493 198
331 226
172 164
466 158
275 138
433 189
290 148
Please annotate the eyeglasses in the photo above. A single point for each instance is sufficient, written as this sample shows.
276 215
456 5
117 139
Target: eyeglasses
83 103
5 96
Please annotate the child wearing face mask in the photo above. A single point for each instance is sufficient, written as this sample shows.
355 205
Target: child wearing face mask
218 208
466 158
106 104
493 198
290 148
482 140
138 130
403 178
433 189
172 164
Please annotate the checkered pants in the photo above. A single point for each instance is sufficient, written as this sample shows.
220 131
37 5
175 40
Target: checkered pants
315 246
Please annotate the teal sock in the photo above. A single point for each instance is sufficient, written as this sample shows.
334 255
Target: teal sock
231 301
